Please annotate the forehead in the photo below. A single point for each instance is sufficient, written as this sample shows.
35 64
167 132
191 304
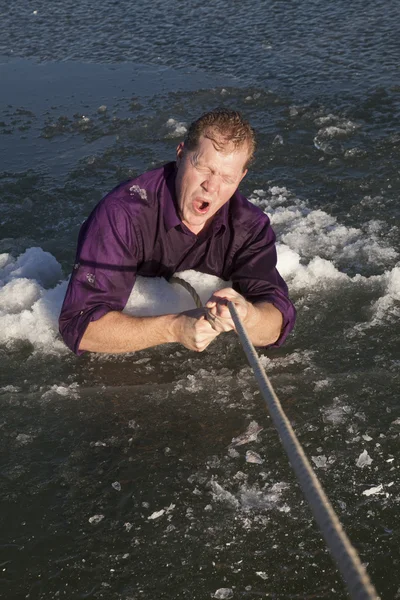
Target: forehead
221 154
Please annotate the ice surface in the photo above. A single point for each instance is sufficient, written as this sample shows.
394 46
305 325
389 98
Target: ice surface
364 460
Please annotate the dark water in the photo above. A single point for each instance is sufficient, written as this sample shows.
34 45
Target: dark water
91 94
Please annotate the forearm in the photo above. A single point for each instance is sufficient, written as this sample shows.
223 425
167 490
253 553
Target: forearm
263 324
116 333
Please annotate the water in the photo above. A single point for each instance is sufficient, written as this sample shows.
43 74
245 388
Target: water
91 95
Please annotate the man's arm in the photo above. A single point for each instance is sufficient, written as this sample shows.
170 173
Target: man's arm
116 332
262 320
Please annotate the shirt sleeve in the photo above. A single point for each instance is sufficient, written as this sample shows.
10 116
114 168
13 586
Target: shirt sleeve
255 276
104 272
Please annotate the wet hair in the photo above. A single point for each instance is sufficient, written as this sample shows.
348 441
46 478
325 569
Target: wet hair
223 127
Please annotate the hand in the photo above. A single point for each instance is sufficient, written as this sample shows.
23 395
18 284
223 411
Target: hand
219 313
193 331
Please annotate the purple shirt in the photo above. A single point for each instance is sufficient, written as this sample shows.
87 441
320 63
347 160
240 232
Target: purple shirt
136 230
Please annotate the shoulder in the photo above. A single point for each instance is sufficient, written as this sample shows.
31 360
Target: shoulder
246 216
141 191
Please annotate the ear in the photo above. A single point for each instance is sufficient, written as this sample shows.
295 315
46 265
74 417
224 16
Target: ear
244 175
179 152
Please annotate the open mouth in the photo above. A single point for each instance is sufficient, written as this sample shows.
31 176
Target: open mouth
201 206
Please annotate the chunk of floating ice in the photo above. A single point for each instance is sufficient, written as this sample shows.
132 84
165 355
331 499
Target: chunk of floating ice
396 422
224 593
319 461
128 526
233 453
96 519
250 435
220 494
390 460
366 437
253 457
262 574
364 460
116 485
156 515
22 439
374 490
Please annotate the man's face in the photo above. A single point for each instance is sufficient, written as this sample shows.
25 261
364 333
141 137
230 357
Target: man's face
206 179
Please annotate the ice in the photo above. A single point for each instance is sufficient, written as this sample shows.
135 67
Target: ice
224 593
55 390
250 435
156 514
34 264
253 457
135 189
319 461
364 460
96 519
314 246
373 491
18 295
222 495
262 574
117 486
23 439
388 306
176 128
155 296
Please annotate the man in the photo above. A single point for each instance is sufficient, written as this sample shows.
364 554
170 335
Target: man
184 215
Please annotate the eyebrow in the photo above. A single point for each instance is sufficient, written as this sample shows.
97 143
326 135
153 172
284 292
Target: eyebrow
197 163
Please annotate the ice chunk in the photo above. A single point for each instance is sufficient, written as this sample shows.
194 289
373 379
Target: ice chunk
19 294
224 593
35 264
262 574
223 495
96 519
22 439
319 461
374 490
116 485
253 457
157 514
364 460
250 435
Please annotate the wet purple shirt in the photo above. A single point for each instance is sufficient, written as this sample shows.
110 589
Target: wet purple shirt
136 230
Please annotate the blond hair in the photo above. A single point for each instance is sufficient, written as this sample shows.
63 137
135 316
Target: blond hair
223 127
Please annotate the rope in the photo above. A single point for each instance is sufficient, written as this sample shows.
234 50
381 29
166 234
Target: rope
347 559
189 288
353 572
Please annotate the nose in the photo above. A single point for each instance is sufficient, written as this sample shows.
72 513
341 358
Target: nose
210 184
